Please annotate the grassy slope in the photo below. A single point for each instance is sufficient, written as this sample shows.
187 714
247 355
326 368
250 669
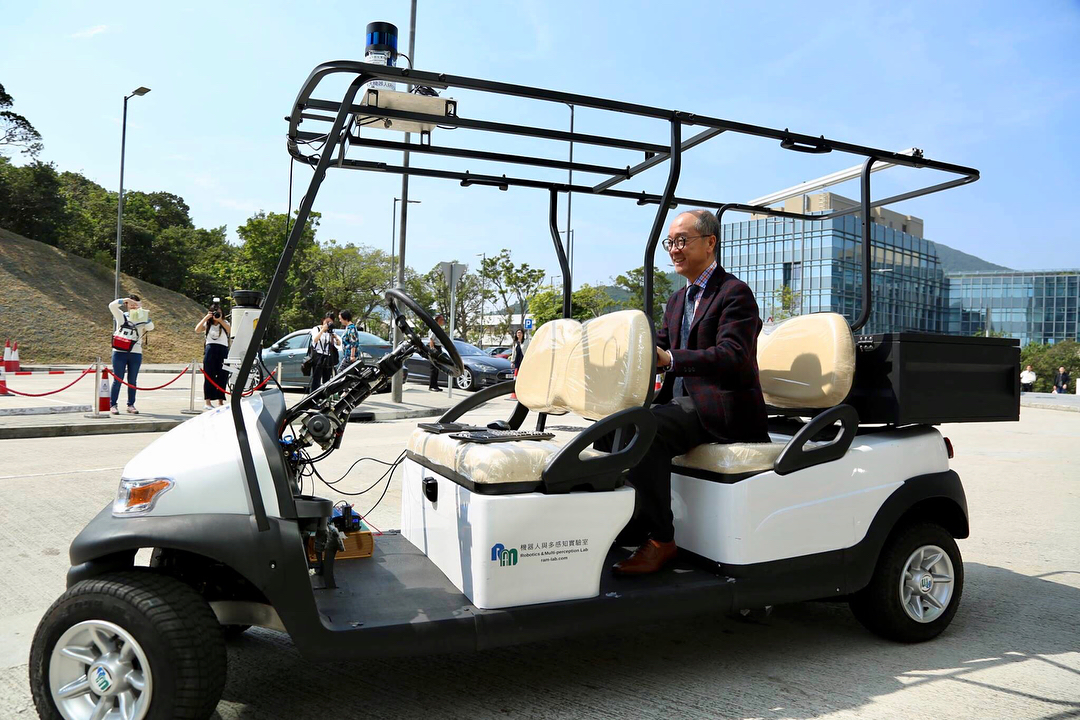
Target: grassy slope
56 305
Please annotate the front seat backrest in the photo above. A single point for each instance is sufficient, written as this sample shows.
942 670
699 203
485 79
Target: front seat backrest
807 361
592 369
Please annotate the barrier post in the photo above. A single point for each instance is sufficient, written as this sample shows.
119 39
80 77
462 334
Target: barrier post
278 376
95 403
191 397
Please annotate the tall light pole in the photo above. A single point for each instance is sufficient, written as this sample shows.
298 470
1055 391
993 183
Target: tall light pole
569 203
396 384
483 300
393 238
140 91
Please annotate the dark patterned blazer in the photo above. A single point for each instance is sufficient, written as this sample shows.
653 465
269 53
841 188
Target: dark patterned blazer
719 363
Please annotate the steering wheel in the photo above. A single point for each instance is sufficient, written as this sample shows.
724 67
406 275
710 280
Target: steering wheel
447 360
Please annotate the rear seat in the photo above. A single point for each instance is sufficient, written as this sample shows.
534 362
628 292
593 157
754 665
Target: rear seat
806 363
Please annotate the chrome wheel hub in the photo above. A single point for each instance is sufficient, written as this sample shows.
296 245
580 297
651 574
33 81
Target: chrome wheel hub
926 584
96 671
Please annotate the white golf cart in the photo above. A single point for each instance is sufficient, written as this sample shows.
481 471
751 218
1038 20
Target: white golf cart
512 540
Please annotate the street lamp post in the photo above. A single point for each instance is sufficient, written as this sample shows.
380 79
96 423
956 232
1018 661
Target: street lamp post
483 300
393 237
140 91
570 199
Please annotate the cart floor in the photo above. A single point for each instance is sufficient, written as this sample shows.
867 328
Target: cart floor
399 586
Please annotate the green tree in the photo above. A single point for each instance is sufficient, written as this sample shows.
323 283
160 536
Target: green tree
586 303
353 277
786 304
510 283
472 296
30 201
1046 359
633 283
15 130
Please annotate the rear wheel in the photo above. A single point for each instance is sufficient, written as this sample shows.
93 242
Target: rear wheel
129 645
466 381
916 587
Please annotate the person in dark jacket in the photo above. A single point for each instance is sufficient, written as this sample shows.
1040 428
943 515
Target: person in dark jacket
1061 380
707 346
517 353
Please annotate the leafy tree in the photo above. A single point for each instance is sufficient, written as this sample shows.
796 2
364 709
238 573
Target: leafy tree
786 304
1046 359
353 277
633 283
30 201
15 130
587 302
472 296
511 282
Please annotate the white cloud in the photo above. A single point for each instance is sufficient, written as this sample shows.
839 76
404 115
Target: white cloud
91 31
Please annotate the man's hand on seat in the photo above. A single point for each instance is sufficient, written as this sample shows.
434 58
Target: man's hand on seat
663 358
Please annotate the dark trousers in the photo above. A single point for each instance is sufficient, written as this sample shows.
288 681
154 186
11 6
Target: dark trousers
213 359
433 378
129 363
1026 387
321 370
678 429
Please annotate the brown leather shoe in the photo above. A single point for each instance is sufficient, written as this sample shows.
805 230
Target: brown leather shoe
649 558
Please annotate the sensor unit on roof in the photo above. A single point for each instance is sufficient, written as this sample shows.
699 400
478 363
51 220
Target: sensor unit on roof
443 108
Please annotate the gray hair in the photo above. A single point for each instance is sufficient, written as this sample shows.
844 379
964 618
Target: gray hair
707 224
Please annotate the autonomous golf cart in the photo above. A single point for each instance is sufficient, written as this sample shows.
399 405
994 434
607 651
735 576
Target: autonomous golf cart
507 534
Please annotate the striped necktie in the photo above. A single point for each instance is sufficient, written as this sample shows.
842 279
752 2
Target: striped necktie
684 331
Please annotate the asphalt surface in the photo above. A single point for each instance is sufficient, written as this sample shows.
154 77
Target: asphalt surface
1013 650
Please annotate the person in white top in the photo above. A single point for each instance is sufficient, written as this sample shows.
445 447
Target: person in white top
1027 379
327 348
216 329
131 325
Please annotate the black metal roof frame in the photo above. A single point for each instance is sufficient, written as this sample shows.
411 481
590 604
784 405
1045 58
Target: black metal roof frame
340 115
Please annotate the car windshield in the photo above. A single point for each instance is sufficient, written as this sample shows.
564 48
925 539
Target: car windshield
367 338
465 348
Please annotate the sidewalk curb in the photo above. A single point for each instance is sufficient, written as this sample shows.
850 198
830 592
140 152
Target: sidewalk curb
1049 406
90 428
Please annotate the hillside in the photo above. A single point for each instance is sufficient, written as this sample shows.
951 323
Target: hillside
56 305
953 260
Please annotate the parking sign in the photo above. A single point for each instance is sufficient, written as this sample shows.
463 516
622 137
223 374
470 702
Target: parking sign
528 323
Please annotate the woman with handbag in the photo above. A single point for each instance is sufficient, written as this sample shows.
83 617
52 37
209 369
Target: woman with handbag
324 350
131 325
217 330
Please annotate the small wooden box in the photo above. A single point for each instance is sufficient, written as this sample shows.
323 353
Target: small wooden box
359 544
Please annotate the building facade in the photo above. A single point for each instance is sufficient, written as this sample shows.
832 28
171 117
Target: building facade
1038 306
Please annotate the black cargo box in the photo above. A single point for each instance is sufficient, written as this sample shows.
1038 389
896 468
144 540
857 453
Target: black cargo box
909 377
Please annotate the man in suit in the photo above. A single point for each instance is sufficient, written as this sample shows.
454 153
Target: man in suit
707 345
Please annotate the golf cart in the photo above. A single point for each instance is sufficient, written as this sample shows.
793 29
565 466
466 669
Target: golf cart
506 538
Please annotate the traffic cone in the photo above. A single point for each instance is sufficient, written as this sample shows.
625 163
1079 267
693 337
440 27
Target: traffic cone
15 357
103 392
7 355
3 381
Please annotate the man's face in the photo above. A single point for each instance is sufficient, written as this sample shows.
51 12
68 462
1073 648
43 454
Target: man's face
1028 367
1061 369
698 253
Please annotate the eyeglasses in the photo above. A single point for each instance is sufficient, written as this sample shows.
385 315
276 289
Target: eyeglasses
679 241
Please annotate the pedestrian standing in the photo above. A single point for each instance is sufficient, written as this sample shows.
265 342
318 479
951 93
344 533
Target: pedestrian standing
350 340
436 348
131 324
1061 380
1027 379
216 348
325 347
517 353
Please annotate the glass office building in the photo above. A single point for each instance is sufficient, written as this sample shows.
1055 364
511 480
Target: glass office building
1032 305
820 262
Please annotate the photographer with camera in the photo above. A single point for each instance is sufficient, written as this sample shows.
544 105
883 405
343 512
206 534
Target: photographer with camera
216 329
131 323
325 351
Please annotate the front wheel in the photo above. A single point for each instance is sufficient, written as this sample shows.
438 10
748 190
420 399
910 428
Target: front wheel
916 587
129 645
466 381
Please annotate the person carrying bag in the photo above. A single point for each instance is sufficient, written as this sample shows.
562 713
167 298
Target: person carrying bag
130 328
217 330
323 352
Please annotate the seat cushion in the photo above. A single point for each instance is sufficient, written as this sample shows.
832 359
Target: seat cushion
592 369
731 459
807 361
519 461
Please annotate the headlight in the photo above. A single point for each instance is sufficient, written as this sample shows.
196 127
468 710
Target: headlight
484 368
137 497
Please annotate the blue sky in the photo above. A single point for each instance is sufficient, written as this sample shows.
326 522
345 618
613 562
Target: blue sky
991 85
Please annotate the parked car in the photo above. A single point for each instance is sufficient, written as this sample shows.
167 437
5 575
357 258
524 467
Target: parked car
481 369
291 349
498 351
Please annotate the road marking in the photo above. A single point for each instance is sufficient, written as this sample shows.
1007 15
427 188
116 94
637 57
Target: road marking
60 472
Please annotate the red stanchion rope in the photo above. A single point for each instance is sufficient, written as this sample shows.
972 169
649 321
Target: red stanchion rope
136 387
244 394
85 372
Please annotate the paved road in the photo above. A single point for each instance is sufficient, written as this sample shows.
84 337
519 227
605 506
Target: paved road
1012 652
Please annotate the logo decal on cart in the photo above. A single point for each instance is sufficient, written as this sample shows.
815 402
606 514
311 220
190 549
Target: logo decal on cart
101 679
505 556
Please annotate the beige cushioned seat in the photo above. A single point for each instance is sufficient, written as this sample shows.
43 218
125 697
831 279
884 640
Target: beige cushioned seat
592 369
805 362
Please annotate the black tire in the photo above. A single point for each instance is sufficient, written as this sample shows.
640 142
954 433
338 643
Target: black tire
878 606
174 626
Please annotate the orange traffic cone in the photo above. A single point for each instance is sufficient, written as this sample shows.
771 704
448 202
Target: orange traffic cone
7 355
15 357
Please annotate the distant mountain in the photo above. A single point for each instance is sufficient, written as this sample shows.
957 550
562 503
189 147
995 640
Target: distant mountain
953 260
